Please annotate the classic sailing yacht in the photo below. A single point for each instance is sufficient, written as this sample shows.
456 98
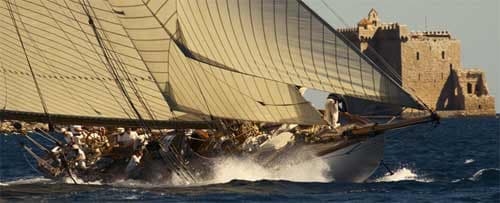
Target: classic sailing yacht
191 64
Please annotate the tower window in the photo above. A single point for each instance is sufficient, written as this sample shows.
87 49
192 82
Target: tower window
443 55
469 88
477 90
479 106
451 66
418 55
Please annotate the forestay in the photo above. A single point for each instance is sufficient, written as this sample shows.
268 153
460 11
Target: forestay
284 41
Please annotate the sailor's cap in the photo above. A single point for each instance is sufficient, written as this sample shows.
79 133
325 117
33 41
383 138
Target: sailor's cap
75 146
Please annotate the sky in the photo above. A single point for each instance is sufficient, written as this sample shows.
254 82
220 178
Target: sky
476 23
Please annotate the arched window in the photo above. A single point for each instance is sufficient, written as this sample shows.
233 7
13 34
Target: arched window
451 66
443 55
469 88
479 107
418 55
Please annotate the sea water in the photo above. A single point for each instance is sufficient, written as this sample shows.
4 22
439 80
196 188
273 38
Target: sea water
457 161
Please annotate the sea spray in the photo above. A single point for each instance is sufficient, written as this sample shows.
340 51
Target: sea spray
228 169
403 174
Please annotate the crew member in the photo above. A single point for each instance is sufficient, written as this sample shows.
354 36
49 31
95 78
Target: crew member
331 114
135 160
126 139
80 157
68 136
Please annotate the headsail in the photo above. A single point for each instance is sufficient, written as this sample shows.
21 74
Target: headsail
285 41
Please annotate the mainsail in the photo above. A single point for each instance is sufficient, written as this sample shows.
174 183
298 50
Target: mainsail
178 61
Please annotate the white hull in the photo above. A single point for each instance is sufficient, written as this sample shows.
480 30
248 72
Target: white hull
356 163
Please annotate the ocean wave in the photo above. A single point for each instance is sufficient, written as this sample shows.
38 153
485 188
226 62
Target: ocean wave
403 174
487 174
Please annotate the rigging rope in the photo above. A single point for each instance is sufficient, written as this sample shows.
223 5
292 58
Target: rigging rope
111 67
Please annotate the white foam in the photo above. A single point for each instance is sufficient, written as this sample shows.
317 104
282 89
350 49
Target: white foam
69 180
403 174
469 161
237 169
25 181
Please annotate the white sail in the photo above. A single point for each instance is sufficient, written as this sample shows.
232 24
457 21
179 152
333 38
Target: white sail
285 41
198 88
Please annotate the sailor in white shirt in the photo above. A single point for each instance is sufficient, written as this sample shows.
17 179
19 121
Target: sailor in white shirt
135 160
331 114
78 135
127 139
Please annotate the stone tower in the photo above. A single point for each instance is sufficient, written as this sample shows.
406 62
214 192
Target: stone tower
427 63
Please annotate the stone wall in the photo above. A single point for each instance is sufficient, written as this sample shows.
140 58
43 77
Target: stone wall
428 63
472 89
426 66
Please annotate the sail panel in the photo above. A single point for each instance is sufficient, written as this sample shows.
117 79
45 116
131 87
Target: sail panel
284 41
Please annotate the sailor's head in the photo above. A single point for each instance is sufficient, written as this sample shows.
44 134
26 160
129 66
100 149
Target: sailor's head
120 130
77 127
75 147
63 130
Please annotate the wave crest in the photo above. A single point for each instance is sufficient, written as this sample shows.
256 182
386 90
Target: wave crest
487 174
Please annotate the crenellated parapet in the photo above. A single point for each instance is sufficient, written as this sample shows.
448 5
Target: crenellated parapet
430 35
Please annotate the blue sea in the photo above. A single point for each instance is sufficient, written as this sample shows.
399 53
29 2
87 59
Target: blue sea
457 161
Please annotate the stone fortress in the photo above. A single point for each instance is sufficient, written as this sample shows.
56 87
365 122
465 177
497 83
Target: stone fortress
429 63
